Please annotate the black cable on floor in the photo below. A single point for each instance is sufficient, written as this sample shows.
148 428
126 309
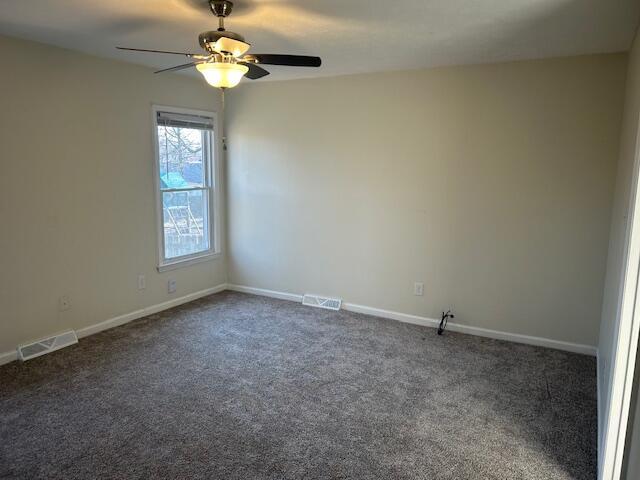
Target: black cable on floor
445 318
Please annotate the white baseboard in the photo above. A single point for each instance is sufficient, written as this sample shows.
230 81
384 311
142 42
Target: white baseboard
143 312
265 293
7 357
400 317
526 339
431 322
128 317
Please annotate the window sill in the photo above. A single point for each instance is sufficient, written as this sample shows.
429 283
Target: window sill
188 262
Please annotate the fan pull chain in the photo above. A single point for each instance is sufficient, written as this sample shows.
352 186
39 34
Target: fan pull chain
224 132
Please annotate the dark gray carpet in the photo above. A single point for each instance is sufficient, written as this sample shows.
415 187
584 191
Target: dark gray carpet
236 386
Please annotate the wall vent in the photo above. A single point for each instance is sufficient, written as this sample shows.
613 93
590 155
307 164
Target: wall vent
47 345
321 302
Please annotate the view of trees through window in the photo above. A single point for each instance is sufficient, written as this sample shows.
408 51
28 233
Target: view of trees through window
184 184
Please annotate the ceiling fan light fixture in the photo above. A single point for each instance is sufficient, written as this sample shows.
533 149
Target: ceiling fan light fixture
222 75
225 62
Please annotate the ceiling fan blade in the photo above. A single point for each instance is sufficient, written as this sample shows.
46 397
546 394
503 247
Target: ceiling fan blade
288 60
157 51
178 67
255 72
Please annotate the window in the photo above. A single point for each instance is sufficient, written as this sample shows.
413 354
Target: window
186 185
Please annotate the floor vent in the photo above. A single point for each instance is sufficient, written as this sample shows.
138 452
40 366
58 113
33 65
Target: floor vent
48 345
321 302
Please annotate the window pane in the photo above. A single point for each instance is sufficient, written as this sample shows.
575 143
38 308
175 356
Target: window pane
181 157
185 220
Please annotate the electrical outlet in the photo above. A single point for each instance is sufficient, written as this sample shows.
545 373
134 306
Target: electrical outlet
171 286
142 282
418 289
64 303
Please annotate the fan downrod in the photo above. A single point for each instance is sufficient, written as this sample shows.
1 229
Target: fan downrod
221 9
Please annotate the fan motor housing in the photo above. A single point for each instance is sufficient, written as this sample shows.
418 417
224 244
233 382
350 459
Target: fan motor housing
221 8
212 36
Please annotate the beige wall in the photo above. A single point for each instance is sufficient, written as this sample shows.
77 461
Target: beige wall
491 184
76 189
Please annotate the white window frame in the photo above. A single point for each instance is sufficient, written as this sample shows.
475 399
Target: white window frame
215 197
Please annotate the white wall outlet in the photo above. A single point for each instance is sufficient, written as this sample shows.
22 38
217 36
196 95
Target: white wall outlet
64 303
142 282
171 286
418 289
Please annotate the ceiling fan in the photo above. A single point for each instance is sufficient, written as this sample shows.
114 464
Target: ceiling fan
225 60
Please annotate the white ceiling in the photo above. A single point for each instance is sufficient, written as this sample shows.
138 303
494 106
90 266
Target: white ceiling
351 36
